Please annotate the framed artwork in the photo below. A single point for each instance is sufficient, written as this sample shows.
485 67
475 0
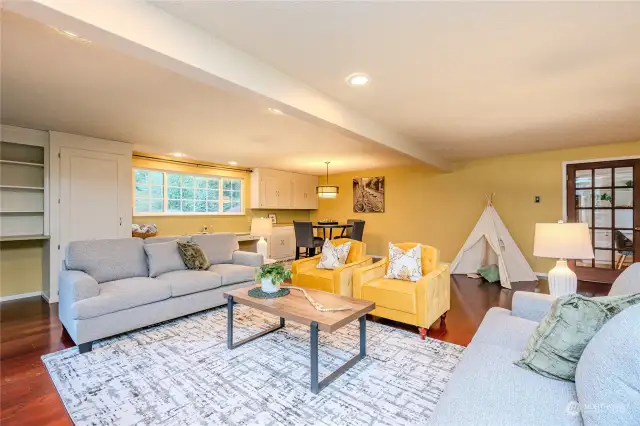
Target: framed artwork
272 216
368 195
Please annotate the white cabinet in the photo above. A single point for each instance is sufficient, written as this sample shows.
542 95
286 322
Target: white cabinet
274 189
282 243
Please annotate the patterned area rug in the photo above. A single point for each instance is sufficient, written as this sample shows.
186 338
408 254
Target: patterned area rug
181 373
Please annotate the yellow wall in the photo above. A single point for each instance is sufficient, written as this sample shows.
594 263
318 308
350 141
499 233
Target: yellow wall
20 267
441 209
177 225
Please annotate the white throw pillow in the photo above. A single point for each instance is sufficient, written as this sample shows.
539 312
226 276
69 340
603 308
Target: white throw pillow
333 256
405 265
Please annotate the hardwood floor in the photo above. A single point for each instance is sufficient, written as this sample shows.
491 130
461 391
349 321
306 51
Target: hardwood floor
30 328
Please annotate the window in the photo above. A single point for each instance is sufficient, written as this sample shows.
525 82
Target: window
171 193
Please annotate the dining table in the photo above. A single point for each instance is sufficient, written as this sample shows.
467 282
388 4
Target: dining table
331 226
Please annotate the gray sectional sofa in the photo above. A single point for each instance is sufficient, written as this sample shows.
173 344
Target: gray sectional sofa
109 287
487 389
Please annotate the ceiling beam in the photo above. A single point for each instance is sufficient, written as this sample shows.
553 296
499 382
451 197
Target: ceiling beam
146 32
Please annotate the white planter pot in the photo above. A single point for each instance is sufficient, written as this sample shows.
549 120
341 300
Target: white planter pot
268 286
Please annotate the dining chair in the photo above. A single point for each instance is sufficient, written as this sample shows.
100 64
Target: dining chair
305 238
356 230
624 248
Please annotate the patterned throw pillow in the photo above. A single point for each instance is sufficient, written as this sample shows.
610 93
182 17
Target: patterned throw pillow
333 256
193 256
405 265
556 345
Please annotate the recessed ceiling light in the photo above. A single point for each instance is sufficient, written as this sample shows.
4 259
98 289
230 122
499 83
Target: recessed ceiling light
275 111
72 36
233 163
178 154
358 79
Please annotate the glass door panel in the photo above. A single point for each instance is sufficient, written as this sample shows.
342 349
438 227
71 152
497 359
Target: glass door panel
604 195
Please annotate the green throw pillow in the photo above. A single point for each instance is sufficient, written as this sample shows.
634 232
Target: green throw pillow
490 273
193 256
554 348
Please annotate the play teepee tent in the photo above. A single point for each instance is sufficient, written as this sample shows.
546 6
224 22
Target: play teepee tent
490 243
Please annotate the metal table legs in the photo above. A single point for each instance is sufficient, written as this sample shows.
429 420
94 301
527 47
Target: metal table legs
316 386
230 343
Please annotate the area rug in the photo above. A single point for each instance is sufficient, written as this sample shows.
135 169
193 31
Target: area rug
181 373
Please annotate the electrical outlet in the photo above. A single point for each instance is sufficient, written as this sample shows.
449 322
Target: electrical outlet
537 198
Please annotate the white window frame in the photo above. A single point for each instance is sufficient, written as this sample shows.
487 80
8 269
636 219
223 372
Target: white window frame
165 187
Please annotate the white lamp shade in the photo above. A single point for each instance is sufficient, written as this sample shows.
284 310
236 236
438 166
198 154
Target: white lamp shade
261 227
563 241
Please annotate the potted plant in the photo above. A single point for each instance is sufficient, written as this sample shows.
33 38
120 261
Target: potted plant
605 199
271 276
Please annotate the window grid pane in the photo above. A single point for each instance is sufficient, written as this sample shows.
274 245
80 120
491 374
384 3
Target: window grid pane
169 192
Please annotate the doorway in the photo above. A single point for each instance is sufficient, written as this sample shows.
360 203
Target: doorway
606 196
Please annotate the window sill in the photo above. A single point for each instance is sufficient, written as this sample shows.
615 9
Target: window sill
160 214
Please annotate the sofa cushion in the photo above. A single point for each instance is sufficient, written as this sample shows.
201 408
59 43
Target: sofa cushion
218 247
155 240
232 274
108 260
393 294
487 389
316 279
608 373
500 328
163 257
187 282
120 295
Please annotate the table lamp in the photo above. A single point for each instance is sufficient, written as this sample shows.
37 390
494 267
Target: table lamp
261 227
562 241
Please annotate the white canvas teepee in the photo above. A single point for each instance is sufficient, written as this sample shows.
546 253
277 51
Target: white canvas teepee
490 243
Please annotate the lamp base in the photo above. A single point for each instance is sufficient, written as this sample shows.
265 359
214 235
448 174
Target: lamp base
562 280
262 248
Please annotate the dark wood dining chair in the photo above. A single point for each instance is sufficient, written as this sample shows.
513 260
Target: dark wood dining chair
355 232
305 238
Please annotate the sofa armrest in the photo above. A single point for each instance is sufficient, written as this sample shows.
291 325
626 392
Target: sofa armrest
75 286
363 275
531 306
343 276
247 258
433 295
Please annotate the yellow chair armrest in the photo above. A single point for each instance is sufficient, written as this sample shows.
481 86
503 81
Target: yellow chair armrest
301 265
365 274
342 276
433 295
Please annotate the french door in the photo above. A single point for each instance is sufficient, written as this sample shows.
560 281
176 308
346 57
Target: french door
606 196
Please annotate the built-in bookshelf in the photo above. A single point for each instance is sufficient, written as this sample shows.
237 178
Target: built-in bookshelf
22 191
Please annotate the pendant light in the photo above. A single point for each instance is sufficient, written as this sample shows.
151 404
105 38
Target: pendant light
326 190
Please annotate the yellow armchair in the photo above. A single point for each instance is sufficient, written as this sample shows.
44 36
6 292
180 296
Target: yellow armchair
338 281
419 303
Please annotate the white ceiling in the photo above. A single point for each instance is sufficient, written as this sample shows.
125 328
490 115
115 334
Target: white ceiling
51 82
467 79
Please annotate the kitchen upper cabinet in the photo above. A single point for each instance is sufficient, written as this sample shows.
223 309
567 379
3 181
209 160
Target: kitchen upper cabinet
274 189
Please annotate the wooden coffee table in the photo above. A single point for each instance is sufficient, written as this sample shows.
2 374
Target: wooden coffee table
295 307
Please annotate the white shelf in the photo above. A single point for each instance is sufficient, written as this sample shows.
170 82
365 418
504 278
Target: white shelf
25 188
23 237
22 163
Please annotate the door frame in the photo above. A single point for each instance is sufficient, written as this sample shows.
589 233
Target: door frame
57 140
593 160
565 165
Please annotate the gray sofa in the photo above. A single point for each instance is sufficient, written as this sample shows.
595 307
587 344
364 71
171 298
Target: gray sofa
487 389
109 287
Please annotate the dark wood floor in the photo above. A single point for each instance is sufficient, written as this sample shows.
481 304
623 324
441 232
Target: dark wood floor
29 328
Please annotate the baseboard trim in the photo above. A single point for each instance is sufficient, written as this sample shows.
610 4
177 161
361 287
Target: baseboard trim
20 296
45 297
